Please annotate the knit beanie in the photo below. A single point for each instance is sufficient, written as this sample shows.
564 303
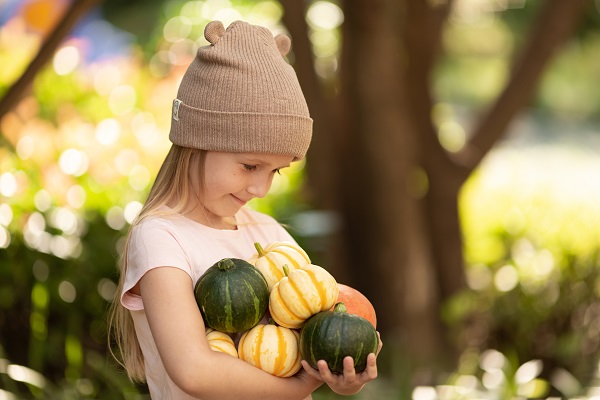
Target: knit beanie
240 95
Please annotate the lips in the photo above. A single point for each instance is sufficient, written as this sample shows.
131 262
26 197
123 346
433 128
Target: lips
242 202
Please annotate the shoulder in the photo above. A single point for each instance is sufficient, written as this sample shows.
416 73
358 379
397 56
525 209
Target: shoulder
159 227
152 224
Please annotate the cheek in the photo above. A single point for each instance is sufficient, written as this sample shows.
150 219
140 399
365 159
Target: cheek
220 184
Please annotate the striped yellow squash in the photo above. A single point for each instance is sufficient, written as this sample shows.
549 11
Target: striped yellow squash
270 260
272 348
220 341
301 294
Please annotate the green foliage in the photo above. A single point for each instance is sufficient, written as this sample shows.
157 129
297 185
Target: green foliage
533 272
54 317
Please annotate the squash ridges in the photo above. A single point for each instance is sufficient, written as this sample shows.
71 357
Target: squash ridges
233 299
332 336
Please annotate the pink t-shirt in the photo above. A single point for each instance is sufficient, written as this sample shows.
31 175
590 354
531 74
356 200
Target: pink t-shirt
179 242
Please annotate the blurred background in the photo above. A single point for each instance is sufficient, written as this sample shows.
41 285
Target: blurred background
454 179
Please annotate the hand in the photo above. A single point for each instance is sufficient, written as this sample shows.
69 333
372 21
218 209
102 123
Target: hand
349 382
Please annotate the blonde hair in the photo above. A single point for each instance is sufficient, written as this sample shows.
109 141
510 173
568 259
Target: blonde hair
179 180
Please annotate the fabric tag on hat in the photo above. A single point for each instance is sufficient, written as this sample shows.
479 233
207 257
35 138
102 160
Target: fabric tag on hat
175 113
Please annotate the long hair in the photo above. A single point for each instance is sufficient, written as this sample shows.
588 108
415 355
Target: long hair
178 182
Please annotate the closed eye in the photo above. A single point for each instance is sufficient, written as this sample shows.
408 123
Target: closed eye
249 167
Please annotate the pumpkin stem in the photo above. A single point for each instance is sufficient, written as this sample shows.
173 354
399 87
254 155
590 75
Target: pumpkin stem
272 321
226 264
286 269
340 307
259 248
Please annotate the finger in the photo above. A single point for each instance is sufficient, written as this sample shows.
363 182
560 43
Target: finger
326 374
310 370
379 344
370 372
349 371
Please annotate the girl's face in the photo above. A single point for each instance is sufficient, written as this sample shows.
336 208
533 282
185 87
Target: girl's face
233 179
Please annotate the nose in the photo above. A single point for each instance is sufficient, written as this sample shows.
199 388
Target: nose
259 186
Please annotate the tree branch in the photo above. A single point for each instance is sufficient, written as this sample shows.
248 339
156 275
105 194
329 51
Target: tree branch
424 25
423 36
76 10
555 24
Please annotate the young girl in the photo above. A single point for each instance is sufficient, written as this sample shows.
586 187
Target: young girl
239 118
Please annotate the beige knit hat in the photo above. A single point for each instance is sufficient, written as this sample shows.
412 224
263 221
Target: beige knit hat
240 95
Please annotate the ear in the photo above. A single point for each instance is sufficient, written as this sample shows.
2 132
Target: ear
284 44
214 31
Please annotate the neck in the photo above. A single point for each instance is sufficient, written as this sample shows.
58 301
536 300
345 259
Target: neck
203 217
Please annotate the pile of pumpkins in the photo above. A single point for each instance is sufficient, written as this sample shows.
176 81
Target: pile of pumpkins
312 317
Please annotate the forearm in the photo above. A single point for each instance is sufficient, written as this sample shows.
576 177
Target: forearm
222 377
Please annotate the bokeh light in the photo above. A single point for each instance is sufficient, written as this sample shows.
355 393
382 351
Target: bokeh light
324 15
132 209
6 214
108 131
25 147
506 278
66 60
177 28
67 291
76 196
73 162
528 371
8 184
42 200
424 393
106 288
4 237
107 76
452 136
115 218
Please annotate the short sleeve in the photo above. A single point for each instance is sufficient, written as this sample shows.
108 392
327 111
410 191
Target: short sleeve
152 244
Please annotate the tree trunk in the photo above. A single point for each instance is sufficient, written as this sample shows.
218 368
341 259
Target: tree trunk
321 169
423 33
383 232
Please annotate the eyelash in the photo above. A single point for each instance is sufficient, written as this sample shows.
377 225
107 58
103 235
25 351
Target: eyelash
249 168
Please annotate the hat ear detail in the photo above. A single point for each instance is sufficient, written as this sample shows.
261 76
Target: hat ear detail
284 44
214 31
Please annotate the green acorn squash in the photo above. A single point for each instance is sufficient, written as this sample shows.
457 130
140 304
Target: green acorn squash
232 295
333 335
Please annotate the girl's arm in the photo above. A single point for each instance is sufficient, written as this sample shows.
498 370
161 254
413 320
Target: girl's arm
179 334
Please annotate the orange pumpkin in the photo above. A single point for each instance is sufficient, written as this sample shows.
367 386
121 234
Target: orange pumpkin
220 341
301 294
356 303
272 348
270 260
